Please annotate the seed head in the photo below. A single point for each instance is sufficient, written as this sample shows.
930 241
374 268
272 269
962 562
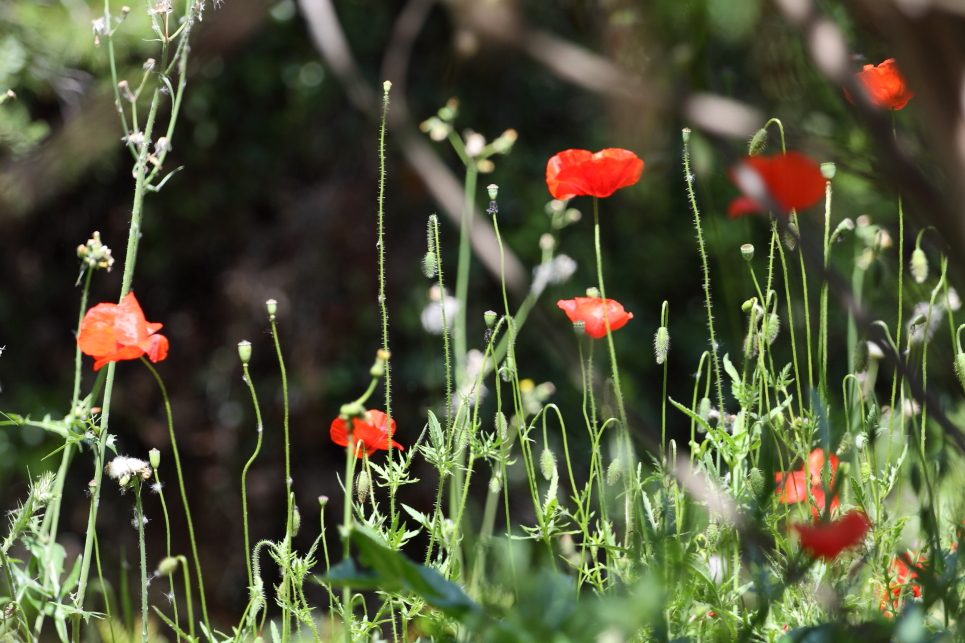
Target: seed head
593 292
490 318
579 328
272 307
244 351
363 485
154 456
828 170
747 251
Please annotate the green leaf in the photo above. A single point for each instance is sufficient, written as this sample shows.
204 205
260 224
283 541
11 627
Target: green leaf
390 571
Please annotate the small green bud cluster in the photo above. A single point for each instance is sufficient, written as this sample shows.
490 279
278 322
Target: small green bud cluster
95 254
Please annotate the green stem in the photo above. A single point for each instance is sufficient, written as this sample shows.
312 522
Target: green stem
244 472
143 548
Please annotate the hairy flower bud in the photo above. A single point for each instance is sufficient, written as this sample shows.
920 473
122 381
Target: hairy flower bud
712 535
771 327
296 520
614 472
919 265
756 479
363 485
791 236
661 344
244 351
703 408
757 142
547 463
167 566
861 357
429 264
502 427
865 472
495 484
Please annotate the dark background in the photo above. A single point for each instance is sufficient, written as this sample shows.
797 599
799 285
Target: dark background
277 199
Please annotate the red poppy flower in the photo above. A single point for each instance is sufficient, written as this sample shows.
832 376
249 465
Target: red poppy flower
792 181
369 433
589 310
828 539
580 172
883 85
112 332
792 487
900 573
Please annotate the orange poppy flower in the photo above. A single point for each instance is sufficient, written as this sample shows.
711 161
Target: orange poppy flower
112 332
883 85
369 433
792 487
828 539
793 181
589 310
900 573
580 172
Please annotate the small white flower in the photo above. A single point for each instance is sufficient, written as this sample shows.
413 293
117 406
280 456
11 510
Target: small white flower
474 143
98 26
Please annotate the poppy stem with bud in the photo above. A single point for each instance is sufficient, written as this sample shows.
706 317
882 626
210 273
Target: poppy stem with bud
244 349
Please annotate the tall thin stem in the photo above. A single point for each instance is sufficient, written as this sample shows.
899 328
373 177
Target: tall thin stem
143 549
244 472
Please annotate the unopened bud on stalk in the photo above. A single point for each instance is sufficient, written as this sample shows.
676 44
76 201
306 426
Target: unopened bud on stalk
919 265
547 463
154 456
747 251
501 426
490 318
495 484
685 133
703 408
661 344
865 472
917 320
712 534
296 520
429 264
828 170
508 369
167 566
757 142
960 368
272 307
748 305
244 351
756 479
492 189
772 326
363 484
579 328
593 292
614 472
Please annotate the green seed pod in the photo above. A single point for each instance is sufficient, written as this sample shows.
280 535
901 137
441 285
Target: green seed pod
579 328
272 307
919 265
757 143
865 471
593 292
429 265
747 251
614 472
712 535
756 479
363 485
495 484
502 427
661 344
490 318
244 351
547 463
167 566
960 368
772 326
493 190
828 170
685 133
155 457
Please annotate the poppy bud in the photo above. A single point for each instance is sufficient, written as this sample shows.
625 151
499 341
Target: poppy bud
919 265
791 236
272 306
772 325
490 318
703 408
363 484
685 132
756 479
167 566
614 472
296 520
828 170
661 344
758 142
155 457
960 368
579 327
508 369
495 484
547 463
492 189
244 351
429 265
748 305
501 426
747 251
593 292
